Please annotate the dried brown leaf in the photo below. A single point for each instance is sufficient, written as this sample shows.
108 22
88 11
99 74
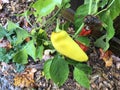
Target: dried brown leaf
26 79
106 57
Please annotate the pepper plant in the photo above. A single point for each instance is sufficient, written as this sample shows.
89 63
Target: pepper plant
58 68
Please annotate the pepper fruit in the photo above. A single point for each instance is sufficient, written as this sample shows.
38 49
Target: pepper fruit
85 31
82 46
65 45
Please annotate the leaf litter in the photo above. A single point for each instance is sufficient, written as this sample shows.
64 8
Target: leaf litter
105 74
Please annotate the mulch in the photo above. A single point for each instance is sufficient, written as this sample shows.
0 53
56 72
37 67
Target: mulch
102 78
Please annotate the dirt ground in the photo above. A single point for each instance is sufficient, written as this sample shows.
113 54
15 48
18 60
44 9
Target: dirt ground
102 77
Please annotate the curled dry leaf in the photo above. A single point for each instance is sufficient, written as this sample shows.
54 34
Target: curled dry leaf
107 57
25 79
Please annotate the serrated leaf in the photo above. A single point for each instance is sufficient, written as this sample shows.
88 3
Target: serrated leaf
59 70
21 35
39 52
44 7
46 67
84 67
81 78
30 49
12 26
21 57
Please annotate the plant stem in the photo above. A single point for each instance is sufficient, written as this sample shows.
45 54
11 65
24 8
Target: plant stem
78 30
105 8
89 12
49 20
57 27
90 7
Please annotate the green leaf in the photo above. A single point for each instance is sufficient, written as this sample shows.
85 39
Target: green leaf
46 68
94 7
81 78
30 49
83 39
21 57
66 3
71 62
84 67
39 52
45 7
81 12
59 70
2 32
100 42
21 35
115 9
102 3
103 41
6 56
12 26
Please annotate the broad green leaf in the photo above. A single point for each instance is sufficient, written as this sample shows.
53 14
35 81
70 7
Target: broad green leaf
21 57
84 40
21 35
39 52
59 70
46 67
81 12
81 78
30 49
71 62
115 9
102 3
66 3
12 26
103 41
84 67
94 7
45 7
100 42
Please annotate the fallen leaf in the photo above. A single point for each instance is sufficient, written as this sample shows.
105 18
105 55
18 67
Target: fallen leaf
106 57
25 79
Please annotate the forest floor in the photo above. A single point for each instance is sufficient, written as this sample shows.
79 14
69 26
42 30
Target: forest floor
102 78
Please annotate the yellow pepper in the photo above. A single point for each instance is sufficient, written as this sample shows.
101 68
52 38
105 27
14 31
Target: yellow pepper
65 45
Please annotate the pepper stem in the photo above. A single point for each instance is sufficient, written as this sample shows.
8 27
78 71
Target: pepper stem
57 27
